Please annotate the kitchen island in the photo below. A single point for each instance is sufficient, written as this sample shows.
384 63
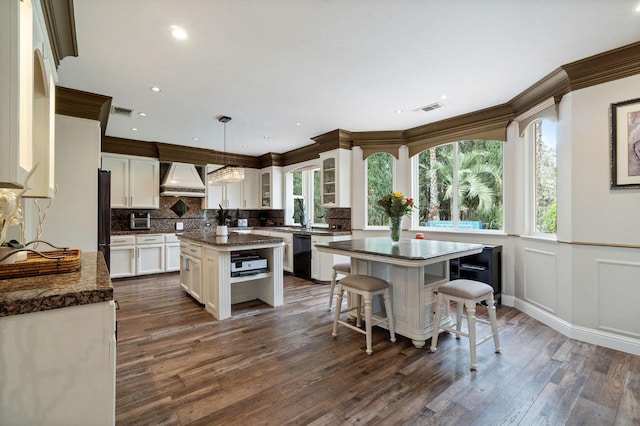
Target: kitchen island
414 268
210 263
58 348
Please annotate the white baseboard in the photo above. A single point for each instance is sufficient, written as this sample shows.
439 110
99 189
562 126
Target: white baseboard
589 335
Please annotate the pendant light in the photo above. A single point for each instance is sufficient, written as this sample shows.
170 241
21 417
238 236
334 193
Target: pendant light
226 174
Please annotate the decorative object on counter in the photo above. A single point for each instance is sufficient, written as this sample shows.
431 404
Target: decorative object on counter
179 208
42 215
228 173
11 209
419 236
58 261
395 206
222 217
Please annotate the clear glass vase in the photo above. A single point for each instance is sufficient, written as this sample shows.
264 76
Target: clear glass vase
394 225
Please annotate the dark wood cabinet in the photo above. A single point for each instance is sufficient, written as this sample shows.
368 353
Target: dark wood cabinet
485 267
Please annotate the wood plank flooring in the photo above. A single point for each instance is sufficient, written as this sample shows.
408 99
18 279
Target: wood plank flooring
176 365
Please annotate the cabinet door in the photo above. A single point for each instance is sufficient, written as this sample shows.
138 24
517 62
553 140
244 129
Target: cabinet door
315 259
233 196
119 167
171 257
150 259
195 279
329 181
265 190
144 184
122 261
250 188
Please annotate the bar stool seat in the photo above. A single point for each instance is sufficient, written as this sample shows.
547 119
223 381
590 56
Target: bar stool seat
364 287
468 293
338 269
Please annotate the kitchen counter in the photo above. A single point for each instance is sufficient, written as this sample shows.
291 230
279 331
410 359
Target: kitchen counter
245 230
91 284
233 239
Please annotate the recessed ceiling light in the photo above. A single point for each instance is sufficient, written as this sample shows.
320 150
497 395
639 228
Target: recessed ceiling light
196 138
135 129
142 114
444 96
638 8
398 111
266 137
298 123
178 32
155 89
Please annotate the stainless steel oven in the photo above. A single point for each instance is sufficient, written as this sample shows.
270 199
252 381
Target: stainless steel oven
140 221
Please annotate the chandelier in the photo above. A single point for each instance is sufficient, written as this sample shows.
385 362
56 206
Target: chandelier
226 174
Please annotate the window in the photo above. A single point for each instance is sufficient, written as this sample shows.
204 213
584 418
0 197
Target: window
542 137
379 184
460 186
306 197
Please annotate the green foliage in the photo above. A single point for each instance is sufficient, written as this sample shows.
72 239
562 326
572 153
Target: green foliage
550 220
380 183
222 216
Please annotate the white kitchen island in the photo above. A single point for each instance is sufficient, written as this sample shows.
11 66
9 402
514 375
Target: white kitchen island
414 268
219 289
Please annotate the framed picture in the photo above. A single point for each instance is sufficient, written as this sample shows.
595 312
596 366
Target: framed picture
625 144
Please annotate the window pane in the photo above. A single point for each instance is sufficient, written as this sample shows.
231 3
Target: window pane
435 183
297 183
319 212
480 184
379 184
545 176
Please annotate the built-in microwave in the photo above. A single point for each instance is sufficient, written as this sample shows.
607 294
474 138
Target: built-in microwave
140 221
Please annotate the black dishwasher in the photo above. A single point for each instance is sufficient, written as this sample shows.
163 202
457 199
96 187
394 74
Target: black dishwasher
302 256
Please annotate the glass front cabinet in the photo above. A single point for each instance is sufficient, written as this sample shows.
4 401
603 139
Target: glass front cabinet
336 178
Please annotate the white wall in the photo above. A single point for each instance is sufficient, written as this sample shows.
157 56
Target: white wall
72 219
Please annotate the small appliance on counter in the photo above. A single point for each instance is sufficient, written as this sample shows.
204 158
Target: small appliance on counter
140 221
243 265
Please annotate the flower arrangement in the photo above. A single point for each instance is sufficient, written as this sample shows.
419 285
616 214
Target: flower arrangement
396 205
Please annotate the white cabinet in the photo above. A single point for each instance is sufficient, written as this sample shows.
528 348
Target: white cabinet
59 366
134 181
150 254
322 263
287 251
123 256
171 253
336 178
237 195
271 188
191 269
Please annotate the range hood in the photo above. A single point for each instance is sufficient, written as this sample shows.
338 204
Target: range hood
182 180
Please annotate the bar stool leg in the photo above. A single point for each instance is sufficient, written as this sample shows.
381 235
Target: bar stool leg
491 308
388 308
359 310
338 309
436 323
458 319
367 319
471 321
333 286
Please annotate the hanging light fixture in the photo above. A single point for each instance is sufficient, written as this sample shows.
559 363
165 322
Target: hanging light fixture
226 174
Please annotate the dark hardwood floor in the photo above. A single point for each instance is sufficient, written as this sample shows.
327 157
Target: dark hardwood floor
176 365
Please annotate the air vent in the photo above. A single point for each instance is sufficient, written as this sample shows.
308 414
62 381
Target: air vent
116 110
430 107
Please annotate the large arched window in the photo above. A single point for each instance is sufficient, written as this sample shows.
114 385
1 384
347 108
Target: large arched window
379 184
460 186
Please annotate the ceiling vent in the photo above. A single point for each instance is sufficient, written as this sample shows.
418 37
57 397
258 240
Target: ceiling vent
430 107
126 112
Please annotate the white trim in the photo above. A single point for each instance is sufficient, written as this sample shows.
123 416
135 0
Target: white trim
584 334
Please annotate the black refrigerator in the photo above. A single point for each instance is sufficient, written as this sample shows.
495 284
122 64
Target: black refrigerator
104 214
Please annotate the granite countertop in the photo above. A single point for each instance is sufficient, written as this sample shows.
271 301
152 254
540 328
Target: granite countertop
90 284
233 239
288 229
406 248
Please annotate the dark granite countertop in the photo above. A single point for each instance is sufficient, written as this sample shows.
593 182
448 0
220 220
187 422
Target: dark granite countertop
90 284
233 239
288 229
406 248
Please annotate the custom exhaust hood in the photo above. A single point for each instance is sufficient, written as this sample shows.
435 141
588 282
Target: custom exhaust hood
182 180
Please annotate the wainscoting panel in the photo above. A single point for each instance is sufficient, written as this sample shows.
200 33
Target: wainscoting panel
540 281
618 285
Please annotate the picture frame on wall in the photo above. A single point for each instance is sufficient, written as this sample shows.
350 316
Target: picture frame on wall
625 144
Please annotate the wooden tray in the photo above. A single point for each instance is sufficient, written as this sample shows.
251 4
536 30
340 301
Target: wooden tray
68 260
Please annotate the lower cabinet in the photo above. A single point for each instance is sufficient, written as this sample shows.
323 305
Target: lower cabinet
141 254
150 254
123 256
191 270
322 263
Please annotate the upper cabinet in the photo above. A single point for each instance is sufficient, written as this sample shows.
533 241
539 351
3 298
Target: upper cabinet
27 90
336 178
237 195
134 181
271 188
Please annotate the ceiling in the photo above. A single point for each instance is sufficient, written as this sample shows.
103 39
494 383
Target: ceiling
286 70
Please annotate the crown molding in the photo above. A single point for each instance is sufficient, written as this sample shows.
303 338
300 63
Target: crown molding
271 159
306 153
332 140
555 85
60 21
129 147
77 103
379 141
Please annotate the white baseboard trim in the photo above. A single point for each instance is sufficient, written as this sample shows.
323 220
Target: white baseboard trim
588 335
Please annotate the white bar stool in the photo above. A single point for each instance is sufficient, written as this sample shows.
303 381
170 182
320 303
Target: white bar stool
366 287
338 269
469 293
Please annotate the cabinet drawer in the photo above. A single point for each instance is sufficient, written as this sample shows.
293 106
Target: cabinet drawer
190 249
150 239
171 238
123 240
